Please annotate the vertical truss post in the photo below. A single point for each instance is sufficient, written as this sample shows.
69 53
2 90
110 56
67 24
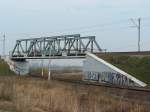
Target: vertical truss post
59 48
54 47
92 44
79 45
64 45
43 51
26 42
76 46
18 48
40 48
71 44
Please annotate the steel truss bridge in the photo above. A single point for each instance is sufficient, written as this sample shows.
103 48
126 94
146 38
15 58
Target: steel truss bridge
59 47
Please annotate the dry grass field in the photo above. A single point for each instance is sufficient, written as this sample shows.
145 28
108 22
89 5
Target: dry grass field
27 94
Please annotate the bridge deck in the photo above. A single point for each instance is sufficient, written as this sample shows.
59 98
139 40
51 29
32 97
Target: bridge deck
52 57
48 57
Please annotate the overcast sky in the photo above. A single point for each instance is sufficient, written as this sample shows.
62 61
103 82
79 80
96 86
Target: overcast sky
108 20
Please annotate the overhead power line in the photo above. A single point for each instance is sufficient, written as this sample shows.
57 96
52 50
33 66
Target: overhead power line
146 18
104 29
126 46
146 26
98 25
101 27
138 26
89 27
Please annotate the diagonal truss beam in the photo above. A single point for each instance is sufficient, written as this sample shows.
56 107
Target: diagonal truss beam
56 45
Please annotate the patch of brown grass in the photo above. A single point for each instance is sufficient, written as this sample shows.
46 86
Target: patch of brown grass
36 95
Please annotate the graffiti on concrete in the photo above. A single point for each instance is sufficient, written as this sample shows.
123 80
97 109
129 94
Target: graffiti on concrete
109 77
92 76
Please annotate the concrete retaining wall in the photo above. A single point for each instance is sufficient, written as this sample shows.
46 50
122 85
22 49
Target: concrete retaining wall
20 68
96 69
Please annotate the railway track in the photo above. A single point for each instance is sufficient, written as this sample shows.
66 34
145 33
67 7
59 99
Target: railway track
147 90
130 53
104 85
131 94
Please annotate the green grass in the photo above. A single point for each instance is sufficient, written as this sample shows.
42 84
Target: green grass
4 69
137 66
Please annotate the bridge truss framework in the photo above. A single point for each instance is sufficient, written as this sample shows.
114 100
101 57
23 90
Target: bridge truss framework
55 46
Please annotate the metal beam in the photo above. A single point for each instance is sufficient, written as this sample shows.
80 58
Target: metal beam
73 45
52 37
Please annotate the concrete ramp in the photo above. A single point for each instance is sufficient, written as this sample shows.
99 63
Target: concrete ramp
20 68
98 70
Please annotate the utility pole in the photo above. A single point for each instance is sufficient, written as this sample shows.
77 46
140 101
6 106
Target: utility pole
4 45
49 65
138 26
42 68
139 34
49 70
